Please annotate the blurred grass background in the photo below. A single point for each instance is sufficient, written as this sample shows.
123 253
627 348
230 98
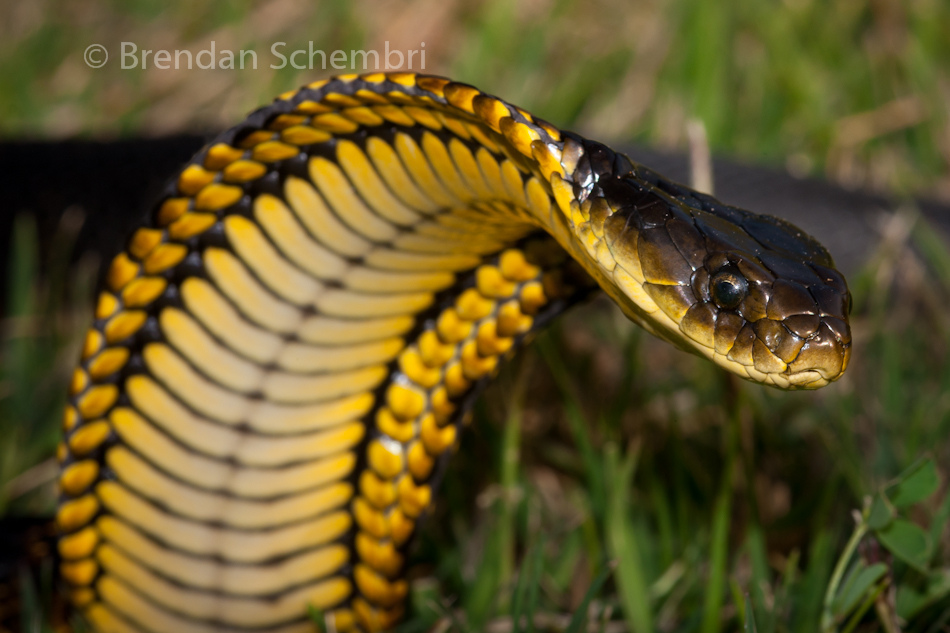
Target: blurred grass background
714 499
856 89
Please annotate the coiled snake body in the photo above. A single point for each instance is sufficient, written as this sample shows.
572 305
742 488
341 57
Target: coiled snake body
284 353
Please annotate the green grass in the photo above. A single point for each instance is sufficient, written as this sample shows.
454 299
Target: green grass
38 347
48 307
854 90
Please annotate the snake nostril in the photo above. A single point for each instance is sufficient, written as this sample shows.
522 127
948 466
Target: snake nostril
840 329
778 339
824 353
770 332
803 325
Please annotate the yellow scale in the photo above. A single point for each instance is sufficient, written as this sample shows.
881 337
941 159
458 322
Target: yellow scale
216 419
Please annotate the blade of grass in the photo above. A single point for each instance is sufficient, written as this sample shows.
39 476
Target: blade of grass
749 617
488 593
722 510
827 618
526 591
578 621
577 423
809 596
755 546
621 538
659 497
534 587
863 608
940 519
30 609
17 369
317 617
510 471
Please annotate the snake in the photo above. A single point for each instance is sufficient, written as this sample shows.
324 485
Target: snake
284 353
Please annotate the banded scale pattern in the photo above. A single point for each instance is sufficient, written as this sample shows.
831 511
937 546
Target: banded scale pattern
283 355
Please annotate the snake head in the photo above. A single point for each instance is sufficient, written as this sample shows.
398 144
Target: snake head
753 293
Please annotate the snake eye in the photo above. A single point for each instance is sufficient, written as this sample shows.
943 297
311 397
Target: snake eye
728 289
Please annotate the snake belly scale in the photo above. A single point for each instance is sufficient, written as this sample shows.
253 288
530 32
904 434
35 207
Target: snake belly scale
284 353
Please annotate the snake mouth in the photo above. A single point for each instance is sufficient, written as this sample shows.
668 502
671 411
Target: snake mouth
803 351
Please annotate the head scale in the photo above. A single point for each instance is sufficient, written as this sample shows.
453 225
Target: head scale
753 293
